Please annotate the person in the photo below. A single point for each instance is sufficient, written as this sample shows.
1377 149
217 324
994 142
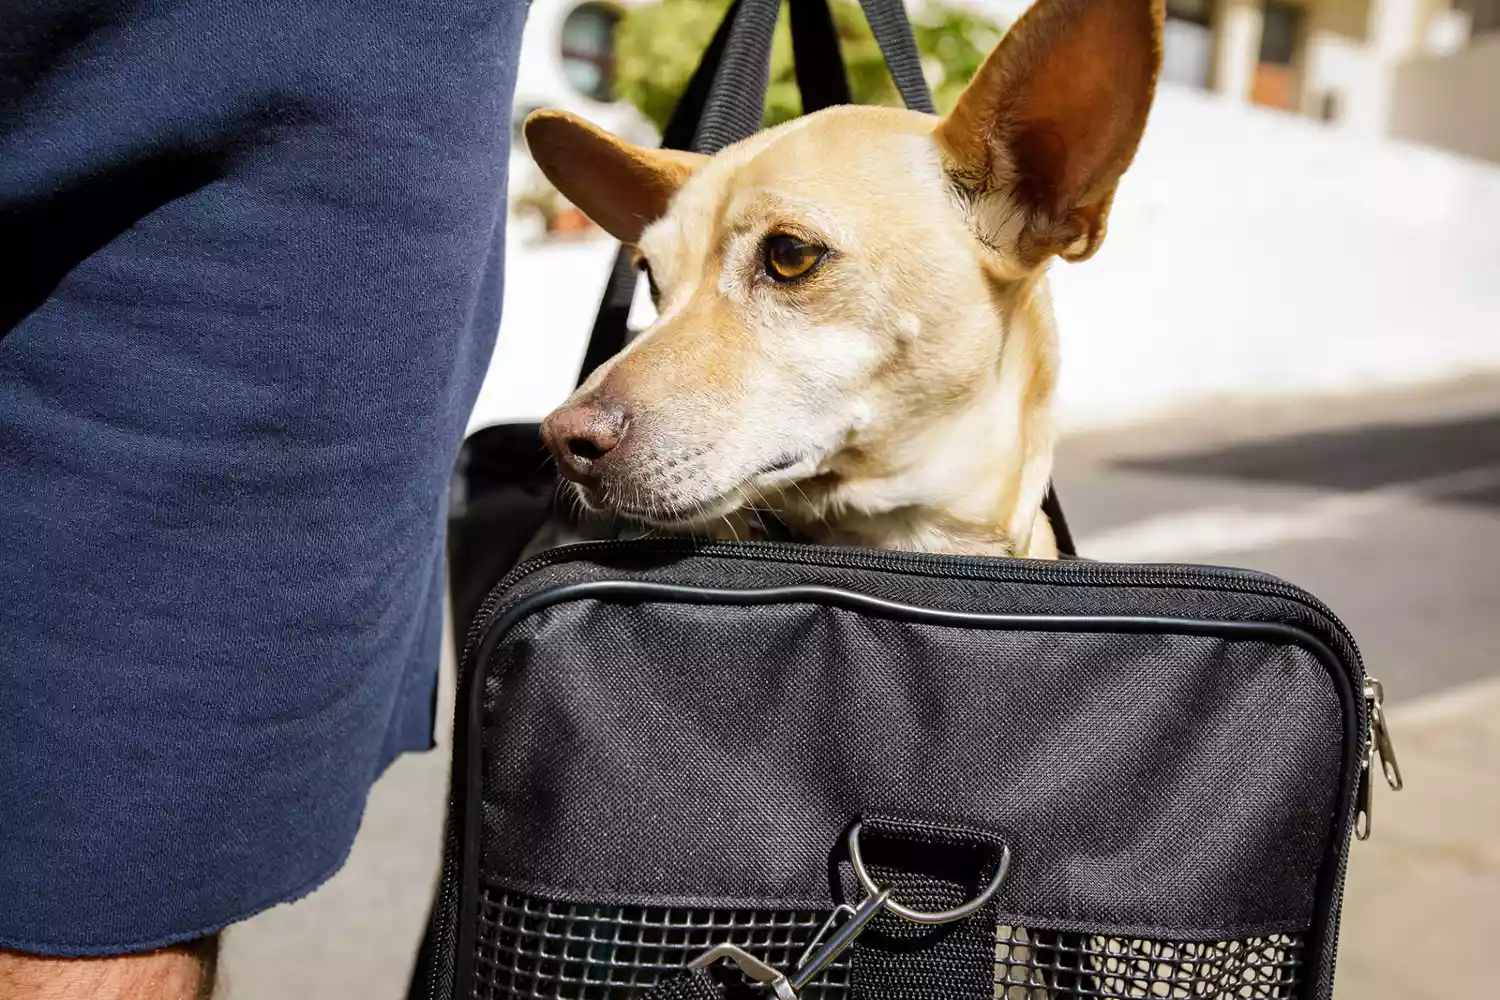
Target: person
252 280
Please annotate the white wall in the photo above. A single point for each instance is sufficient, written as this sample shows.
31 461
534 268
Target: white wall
1258 253
1250 253
1452 101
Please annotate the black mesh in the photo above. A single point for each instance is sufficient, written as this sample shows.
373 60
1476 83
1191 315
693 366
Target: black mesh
529 948
1041 965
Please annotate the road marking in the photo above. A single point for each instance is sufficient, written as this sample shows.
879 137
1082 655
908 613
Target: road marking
1208 531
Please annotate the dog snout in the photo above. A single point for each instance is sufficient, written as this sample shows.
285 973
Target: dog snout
582 434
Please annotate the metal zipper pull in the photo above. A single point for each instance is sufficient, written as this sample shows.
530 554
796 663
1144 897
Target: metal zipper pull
1377 747
1375 695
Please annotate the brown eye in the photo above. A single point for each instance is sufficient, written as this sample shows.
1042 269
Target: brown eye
788 258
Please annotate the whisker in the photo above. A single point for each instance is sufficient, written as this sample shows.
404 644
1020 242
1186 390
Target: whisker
821 516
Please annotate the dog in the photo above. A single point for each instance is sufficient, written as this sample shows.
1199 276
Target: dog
854 325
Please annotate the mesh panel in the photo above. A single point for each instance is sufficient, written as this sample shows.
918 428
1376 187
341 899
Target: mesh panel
1044 965
529 948
536 949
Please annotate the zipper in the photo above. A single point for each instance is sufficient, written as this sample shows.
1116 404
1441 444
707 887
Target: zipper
1378 747
1377 736
1378 743
968 567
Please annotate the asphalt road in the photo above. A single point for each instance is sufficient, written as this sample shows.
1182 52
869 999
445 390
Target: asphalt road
1387 507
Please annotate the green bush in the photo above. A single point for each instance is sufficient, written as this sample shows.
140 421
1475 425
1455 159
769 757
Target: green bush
658 46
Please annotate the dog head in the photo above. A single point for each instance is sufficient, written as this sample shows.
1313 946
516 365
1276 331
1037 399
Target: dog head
850 313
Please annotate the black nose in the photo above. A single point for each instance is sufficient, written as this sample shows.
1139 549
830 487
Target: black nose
582 434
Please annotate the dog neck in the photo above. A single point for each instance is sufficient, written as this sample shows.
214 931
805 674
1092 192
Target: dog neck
969 482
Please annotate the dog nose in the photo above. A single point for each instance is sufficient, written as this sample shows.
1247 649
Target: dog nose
579 436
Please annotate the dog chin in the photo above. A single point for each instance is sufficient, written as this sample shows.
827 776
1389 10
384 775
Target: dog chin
671 514
668 515
687 518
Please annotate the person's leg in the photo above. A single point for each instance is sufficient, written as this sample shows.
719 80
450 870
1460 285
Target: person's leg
183 972
252 279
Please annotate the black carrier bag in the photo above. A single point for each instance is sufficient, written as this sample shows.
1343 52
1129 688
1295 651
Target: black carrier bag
706 770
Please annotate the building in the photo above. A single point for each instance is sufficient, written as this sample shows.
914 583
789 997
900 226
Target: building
1422 70
1408 69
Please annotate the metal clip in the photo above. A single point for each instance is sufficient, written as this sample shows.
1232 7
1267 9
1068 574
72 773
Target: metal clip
1381 731
831 940
821 953
843 925
753 968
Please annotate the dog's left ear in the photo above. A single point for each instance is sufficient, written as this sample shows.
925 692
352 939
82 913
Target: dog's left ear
621 186
1055 115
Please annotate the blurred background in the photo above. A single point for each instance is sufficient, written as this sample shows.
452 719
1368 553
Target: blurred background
1286 356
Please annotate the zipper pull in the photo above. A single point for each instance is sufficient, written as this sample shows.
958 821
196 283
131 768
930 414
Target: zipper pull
1377 746
1375 695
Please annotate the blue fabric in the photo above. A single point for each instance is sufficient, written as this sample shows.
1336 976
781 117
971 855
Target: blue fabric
252 277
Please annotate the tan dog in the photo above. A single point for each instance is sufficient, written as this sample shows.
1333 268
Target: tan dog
854 322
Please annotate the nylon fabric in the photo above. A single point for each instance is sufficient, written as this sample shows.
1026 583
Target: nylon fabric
899 960
821 80
725 748
892 30
736 101
695 984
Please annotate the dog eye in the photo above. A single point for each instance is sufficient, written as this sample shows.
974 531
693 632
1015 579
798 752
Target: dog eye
788 258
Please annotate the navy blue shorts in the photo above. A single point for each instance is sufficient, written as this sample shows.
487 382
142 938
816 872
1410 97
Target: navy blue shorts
251 278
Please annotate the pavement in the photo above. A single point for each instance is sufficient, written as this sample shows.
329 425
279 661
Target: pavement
1385 505
1422 910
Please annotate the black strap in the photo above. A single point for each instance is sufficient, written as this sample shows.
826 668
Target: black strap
821 79
737 99
1052 507
892 30
931 867
694 984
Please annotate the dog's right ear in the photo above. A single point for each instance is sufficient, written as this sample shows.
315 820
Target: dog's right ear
1054 117
621 186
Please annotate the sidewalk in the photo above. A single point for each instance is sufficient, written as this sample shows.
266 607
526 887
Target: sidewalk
1422 909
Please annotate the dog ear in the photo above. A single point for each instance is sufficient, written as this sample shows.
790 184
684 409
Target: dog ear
621 186
1056 114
